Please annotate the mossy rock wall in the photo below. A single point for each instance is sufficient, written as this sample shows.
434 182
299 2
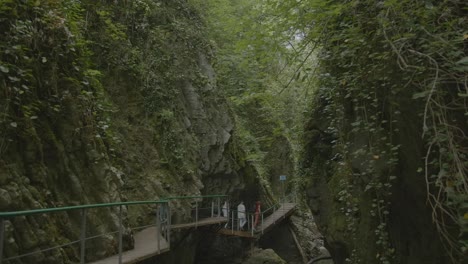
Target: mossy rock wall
104 103
378 164
343 207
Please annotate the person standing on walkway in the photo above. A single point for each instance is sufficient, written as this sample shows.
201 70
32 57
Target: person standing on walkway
225 212
225 209
257 213
241 215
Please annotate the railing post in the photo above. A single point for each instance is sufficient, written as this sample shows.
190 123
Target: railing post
196 214
158 228
120 234
219 206
83 236
212 208
252 225
169 222
262 223
166 220
232 222
238 221
2 238
247 220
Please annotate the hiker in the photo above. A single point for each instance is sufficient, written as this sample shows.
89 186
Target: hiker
225 212
163 217
257 213
241 215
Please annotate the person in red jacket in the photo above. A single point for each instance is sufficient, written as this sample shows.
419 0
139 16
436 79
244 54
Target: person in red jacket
257 213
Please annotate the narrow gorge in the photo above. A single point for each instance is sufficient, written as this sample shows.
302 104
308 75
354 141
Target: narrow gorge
353 113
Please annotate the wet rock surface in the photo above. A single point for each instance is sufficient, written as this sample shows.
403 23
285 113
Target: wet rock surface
264 256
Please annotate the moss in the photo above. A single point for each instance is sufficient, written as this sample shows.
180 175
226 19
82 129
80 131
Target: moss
266 256
105 117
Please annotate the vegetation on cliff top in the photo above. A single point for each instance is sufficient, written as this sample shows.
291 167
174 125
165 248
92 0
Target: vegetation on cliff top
392 84
252 71
390 79
103 101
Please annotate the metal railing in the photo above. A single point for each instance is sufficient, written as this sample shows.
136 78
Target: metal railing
201 209
251 223
162 223
234 222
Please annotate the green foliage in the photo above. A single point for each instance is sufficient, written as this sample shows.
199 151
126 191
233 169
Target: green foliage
57 54
382 67
45 62
154 47
252 71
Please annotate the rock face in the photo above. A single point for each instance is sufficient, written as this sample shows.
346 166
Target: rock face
265 256
122 107
214 249
279 161
310 239
280 240
345 206
380 159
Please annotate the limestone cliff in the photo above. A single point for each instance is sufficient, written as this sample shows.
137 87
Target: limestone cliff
347 212
386 130
104 102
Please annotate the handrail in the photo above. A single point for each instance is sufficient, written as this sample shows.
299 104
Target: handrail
251 217
195 197
87 206
160 221
77 207
275 204
269 208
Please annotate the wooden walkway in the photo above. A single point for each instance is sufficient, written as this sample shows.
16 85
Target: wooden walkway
146 246
146 242
230 232
279 215
201 222
285 210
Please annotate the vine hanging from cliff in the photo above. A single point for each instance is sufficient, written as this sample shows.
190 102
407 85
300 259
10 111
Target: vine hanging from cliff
375 60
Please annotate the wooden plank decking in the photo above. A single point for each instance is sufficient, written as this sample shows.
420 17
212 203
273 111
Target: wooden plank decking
285 210
201 222
146 246
146 242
